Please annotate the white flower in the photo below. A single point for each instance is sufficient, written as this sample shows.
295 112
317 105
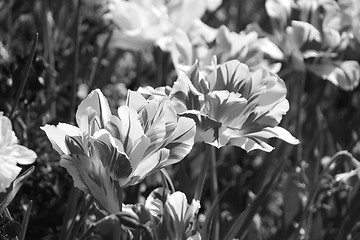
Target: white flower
11 154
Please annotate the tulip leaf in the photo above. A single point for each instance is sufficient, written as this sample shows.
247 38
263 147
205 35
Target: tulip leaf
6 198
206 228
243 221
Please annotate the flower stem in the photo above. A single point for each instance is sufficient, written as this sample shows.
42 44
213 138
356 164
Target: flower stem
202 176
24 79
301 76
25 221
314 191
215 192
76 62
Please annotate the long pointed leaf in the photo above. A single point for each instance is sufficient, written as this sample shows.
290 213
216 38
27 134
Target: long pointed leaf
14 189
242 223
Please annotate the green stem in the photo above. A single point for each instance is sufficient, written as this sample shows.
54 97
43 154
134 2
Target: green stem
299 117
76 62
25 221
201 179
88 202
314 191
215 192
24 79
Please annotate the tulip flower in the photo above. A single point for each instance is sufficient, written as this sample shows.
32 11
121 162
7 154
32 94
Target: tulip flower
11 154
232 106
107 152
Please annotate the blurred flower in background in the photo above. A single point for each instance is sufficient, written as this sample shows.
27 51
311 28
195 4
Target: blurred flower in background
11 154
156 21
247 47
314 36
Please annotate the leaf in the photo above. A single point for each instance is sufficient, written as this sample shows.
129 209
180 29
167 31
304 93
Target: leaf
292 202
243 221
344 74
6 198
206 228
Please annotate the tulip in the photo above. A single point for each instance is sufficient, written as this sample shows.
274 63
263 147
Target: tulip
11 154
232 106
108 152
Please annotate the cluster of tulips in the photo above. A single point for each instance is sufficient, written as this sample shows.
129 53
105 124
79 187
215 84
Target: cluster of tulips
227 92
158 127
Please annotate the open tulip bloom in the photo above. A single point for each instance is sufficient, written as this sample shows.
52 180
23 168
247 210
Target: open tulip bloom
231 106
107 152
11 154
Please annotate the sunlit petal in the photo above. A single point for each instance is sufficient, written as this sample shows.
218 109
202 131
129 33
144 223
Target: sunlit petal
20 154
7 135
129 127
113 159
56 135
8 173
181 142
98 103
148 165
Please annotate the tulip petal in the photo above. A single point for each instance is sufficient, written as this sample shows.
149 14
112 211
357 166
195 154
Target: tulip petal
135 100
278 132
250 144
232 76
129 127
226 107
7 135
138 152
20 154
8 173
112 158
184 95
148 165
155 203
181 142
98 103
174 211
57 134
